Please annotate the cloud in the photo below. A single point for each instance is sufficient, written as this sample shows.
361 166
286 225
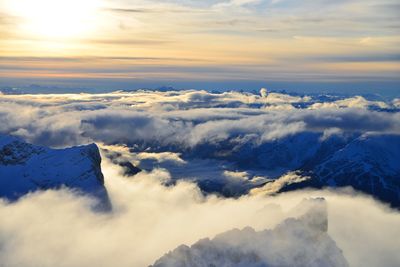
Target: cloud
181 139
294 242
351 102
396 102
58 228
207 33
201 136
361 58
275 186
186 118
237 3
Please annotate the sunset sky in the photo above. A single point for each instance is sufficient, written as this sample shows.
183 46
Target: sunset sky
211 42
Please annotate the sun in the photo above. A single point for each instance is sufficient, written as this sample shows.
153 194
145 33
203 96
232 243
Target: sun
55 18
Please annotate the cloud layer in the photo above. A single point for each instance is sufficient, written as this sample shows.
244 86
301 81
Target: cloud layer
217 139
182 140
58 228
187 118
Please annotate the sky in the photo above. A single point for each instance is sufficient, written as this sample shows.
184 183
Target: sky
211 44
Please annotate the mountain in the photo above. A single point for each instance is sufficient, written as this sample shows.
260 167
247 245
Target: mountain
273 158
302 241
366 162
27 168
293 152
369 163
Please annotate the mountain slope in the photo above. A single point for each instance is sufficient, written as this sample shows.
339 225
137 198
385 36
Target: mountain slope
26 168
369 163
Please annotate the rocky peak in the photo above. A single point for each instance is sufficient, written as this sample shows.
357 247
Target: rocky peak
27 168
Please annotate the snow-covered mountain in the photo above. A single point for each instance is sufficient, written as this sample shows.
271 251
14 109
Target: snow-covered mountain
302 241
27 168
297 151
369 163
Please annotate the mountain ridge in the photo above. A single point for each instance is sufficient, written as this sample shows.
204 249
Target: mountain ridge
26 168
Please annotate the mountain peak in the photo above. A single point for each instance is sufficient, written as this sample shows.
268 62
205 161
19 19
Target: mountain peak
26 168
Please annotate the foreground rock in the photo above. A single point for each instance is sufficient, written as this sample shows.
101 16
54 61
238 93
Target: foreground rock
295 242
26 168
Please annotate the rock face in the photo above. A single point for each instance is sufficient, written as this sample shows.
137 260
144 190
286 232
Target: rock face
27 168
295 242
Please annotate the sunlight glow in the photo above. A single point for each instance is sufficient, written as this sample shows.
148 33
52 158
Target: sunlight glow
55 18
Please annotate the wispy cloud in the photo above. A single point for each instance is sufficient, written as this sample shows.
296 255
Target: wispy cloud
248 39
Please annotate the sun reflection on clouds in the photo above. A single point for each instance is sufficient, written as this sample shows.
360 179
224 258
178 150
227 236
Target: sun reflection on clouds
191 41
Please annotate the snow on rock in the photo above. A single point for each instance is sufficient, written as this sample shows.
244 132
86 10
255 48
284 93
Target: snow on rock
26 168
302 241
370 163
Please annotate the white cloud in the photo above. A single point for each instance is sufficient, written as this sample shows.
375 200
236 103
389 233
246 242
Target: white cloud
198 135
353 102
149 218
186 118
275 186
57 228
295 242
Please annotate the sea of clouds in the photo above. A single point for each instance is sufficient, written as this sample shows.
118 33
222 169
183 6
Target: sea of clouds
151 215
187 118
59 228
210 134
